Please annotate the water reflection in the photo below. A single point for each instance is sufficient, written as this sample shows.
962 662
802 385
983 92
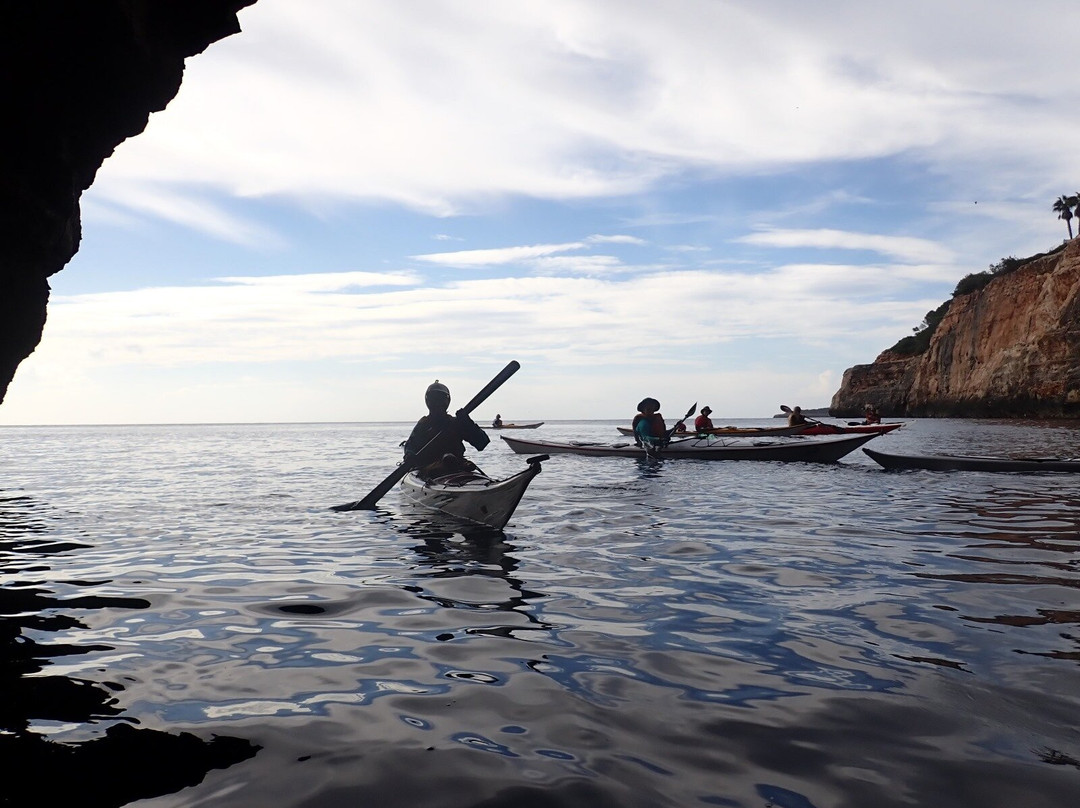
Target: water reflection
476 556
37 705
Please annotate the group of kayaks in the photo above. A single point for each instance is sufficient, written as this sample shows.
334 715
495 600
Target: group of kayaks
478 498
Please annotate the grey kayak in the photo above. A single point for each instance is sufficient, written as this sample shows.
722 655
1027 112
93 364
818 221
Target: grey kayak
971 463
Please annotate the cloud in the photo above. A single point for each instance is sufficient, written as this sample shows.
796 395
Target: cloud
497 255
578 265
597 239
360 316
904 248
569 100
125 202
325 281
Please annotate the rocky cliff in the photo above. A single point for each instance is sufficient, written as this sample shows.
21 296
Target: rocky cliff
1010 349
77 78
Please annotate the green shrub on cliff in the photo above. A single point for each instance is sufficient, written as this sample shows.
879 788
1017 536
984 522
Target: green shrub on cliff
1010 264
918 342
977 280
972 283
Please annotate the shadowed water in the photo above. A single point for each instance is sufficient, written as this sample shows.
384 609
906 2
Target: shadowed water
187 623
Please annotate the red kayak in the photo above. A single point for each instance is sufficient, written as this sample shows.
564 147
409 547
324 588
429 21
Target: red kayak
818 428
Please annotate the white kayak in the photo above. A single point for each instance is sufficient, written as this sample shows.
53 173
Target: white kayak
472 495
796 449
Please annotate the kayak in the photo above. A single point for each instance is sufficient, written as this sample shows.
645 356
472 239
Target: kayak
736 431
972 463
472 495
798 449
515 426
851 429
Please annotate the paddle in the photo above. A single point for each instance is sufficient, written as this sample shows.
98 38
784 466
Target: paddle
670 432
377 493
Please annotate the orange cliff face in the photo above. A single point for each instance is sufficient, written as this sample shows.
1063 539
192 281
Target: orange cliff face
1010 349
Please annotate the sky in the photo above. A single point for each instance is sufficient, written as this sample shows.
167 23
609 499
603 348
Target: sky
702 201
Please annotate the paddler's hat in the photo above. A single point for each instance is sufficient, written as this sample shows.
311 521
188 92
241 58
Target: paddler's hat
706 409
437 388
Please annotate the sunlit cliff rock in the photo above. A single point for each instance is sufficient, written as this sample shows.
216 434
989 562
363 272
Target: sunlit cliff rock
77 78
1010 349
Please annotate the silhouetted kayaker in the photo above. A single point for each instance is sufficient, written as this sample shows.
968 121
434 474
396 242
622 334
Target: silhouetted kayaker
446 454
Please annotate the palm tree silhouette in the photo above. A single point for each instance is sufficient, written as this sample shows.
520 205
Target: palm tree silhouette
1063 206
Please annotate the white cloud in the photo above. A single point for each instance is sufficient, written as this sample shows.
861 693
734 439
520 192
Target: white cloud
598 239
354 317
497 255
326 281
904 248
444 105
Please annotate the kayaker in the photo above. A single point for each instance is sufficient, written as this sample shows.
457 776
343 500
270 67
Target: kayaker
871 415
703 423
497 423
649 426
795 417
442 436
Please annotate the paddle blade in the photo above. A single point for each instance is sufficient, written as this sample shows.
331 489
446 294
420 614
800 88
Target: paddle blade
511 368
369 502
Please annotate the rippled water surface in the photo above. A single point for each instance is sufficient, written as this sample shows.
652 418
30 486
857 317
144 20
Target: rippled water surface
186 623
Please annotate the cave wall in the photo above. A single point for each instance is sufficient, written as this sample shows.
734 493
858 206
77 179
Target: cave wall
77 78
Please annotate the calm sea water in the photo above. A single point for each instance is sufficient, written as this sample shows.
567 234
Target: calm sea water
186 623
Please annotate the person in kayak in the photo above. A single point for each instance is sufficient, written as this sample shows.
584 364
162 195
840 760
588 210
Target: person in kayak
795 417
437 442
649 426
703 423
497 423
871 415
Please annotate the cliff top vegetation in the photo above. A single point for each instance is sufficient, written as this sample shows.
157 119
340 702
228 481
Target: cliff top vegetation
919 340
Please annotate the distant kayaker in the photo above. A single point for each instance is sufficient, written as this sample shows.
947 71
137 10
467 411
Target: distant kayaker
442 436
795 417
703 423
497 423
649 426
871 415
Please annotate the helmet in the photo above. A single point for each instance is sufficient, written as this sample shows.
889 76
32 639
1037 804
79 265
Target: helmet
438 388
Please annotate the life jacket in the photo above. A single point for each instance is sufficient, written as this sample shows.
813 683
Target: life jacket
654 427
